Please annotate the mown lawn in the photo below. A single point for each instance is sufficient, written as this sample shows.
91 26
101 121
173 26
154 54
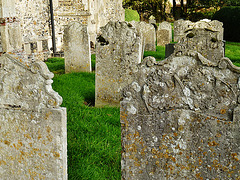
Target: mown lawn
94 134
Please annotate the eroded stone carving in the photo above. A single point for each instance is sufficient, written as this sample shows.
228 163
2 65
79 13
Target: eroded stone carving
33 139
118 51
77 48
180 119
203 40
181 27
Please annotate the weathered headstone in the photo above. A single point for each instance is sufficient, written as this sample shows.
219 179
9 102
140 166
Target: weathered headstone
164 33
180 119
149 34
181 27
33 134
203 39
118 51
77 48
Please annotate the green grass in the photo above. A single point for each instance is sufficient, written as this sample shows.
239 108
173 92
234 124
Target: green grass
232 51
93 57
159 54
131 15
94 134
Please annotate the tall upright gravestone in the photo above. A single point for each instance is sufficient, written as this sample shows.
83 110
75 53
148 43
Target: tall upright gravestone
148 34
33 133
180 119
77 48
118 51
164 33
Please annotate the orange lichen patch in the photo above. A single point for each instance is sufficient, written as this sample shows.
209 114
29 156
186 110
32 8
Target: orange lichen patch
3 162
6 142
48 115
180 128
136 134
200 161
173 159
223 111
175 134
207 118
56 154
27 136
204 153
218 121
234 156
140 172
213 143
142 151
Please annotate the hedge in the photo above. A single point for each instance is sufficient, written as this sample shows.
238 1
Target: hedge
230 16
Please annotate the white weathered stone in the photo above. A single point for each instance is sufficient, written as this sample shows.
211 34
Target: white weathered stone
33 131
184 121
77 48
118 52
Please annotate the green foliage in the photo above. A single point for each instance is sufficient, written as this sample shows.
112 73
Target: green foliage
230 17
131 15
146 8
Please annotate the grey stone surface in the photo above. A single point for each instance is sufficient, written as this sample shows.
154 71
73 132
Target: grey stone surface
164 33
203 40
33 132
118 51
77 48
148 33
180 119
181 27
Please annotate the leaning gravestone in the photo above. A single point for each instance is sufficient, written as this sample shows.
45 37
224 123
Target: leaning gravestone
149 34
164 33
33 134
117 54
181 118
77 48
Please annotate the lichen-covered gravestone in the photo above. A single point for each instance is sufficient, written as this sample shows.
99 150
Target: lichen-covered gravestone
164 33
33 135
118 51
204 38
180 119
77 48
181 27
148 33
